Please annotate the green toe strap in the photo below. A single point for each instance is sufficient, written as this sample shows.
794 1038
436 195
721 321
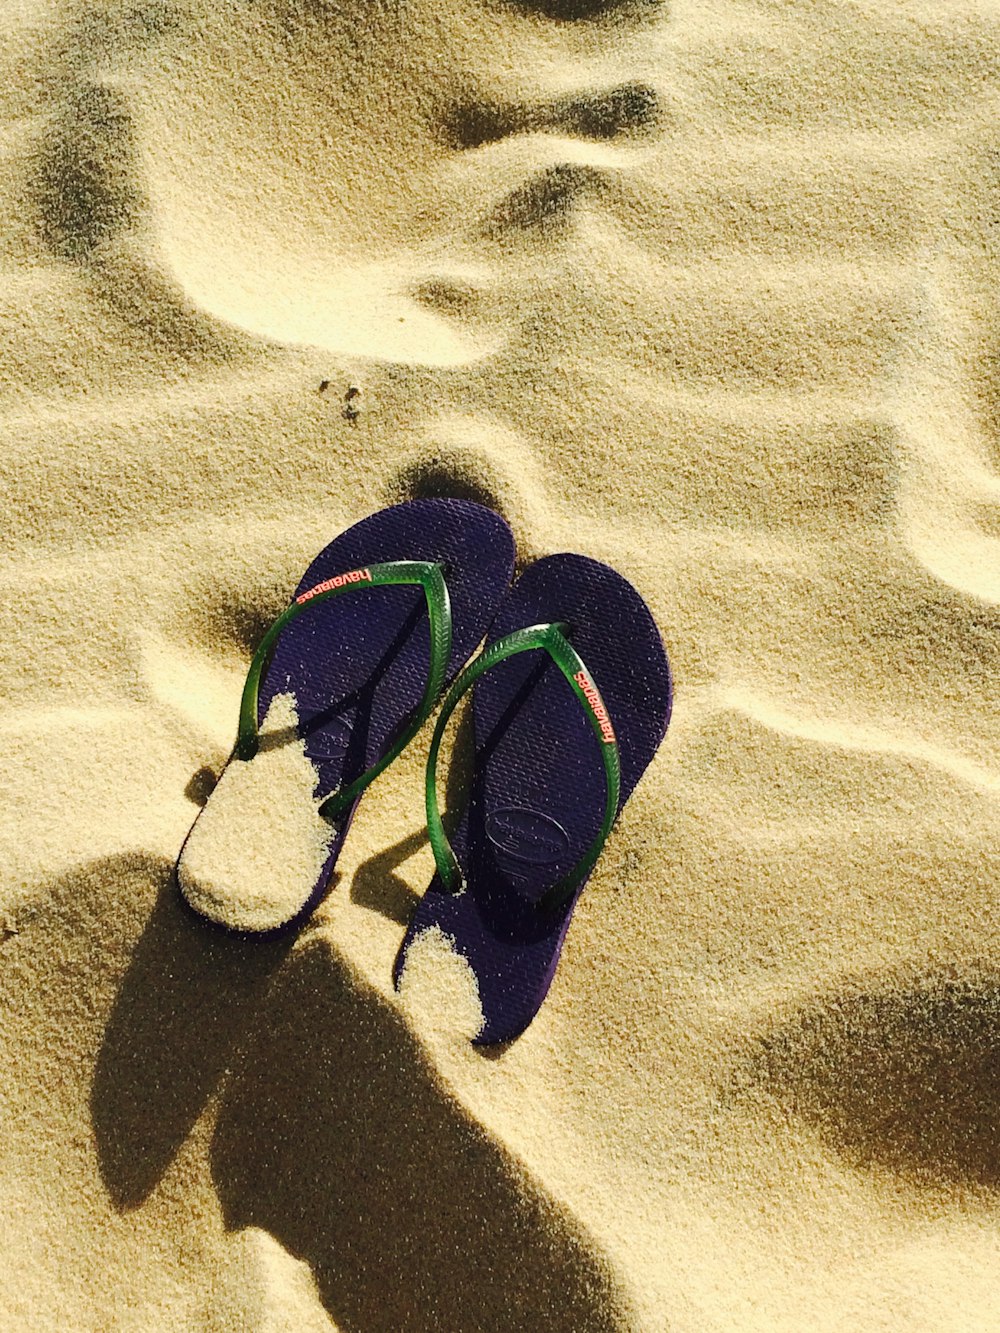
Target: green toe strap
430 576
552 638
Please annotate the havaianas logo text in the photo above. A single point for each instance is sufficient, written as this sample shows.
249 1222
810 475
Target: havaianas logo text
338 581
597 708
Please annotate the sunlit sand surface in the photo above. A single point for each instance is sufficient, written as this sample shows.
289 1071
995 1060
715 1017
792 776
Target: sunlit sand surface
707 291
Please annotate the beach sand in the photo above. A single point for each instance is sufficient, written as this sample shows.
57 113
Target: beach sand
705 290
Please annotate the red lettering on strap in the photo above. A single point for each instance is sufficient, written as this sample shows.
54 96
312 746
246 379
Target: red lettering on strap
596 707
338 581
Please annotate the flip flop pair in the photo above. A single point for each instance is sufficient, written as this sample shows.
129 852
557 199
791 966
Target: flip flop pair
570 701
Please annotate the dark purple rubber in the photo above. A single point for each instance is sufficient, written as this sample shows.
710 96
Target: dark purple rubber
538 786
357 664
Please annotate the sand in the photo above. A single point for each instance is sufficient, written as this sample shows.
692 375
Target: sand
705 290
255 853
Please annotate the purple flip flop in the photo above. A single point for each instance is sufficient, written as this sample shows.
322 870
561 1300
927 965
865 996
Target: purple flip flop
571 702
383 618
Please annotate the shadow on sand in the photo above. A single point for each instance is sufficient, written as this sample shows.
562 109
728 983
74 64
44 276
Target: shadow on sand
904 1074
335 1134
338 1137
187 996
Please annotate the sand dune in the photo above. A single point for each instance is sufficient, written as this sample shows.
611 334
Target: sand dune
707 291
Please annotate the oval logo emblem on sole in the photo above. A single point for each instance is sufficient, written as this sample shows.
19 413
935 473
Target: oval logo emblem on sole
527 835
332 741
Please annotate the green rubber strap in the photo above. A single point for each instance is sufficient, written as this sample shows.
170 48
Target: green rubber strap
430 576
552 638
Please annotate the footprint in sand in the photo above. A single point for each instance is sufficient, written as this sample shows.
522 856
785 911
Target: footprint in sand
258 187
